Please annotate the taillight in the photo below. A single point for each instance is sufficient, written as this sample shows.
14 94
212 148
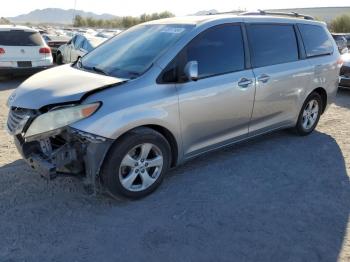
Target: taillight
45 50
2 51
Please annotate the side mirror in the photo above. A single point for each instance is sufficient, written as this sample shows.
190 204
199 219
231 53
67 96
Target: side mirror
191 70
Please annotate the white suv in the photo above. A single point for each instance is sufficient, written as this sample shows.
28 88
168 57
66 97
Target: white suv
22 51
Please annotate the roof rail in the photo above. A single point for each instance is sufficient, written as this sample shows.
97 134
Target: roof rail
291 14
225 13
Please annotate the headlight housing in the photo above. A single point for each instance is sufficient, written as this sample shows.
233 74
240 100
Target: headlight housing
60 117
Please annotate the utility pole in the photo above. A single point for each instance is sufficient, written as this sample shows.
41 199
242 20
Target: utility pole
74 11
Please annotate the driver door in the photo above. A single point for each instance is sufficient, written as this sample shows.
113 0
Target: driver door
215 109
67 50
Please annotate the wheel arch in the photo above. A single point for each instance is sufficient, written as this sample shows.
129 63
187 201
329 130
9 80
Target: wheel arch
323 93
171 140
169 136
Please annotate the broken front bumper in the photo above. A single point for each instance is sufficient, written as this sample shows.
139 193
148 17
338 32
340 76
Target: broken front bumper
69 152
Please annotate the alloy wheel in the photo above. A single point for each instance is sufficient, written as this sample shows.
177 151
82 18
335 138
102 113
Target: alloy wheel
310 114
141 167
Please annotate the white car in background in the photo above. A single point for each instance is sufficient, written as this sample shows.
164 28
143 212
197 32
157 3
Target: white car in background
22 51
77 47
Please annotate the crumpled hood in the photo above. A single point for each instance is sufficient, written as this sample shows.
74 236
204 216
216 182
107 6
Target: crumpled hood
58 85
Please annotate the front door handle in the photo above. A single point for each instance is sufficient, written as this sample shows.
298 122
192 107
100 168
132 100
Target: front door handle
245 82
263 78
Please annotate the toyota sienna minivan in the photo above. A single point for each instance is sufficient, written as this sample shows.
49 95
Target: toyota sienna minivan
165 91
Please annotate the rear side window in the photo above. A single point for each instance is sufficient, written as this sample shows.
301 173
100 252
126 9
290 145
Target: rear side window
272 44
218 50
20 38
316 40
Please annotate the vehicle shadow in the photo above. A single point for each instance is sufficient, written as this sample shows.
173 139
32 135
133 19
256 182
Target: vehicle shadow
343 98
7 83
276 198
279 197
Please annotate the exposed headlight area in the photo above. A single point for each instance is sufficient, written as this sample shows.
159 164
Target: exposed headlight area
60 117
51 146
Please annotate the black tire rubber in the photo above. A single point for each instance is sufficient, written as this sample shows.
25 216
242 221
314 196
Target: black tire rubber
300 130
59 59
110 167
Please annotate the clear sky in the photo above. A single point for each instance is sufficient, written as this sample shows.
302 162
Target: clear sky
137 7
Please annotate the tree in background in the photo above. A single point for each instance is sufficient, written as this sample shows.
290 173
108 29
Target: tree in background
119 22
341 24
4 21
79 21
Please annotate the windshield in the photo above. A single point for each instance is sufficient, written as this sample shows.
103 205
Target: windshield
94 42
131 53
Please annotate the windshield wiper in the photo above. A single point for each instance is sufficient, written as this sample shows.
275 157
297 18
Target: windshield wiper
100 70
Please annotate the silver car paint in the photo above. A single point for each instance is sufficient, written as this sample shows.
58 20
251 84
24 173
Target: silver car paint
58 85
214 110
136 103
208 113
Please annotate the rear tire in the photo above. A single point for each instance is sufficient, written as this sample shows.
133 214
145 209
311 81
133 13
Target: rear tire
309 114
136 164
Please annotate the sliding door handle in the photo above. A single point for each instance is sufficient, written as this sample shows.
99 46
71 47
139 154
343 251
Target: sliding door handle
263 78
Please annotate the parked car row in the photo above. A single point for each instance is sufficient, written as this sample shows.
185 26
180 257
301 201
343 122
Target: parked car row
54 42
24 50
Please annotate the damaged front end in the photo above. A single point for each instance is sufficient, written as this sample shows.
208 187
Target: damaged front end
62 151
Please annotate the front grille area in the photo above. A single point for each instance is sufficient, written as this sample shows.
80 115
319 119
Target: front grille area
17 119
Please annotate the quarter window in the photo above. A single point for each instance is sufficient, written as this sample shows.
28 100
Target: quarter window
272 44
316 40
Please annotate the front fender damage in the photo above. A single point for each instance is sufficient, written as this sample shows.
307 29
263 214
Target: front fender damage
67 152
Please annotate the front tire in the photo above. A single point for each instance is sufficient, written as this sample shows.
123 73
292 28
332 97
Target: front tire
136 164
309 115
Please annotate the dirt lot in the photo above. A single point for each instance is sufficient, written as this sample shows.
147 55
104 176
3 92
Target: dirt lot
277 198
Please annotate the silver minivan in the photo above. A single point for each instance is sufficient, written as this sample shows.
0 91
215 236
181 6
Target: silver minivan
166 91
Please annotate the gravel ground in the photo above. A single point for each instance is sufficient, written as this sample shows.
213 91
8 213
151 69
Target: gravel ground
276 198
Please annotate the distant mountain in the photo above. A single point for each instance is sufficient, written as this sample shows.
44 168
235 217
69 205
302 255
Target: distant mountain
55 16
61 16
